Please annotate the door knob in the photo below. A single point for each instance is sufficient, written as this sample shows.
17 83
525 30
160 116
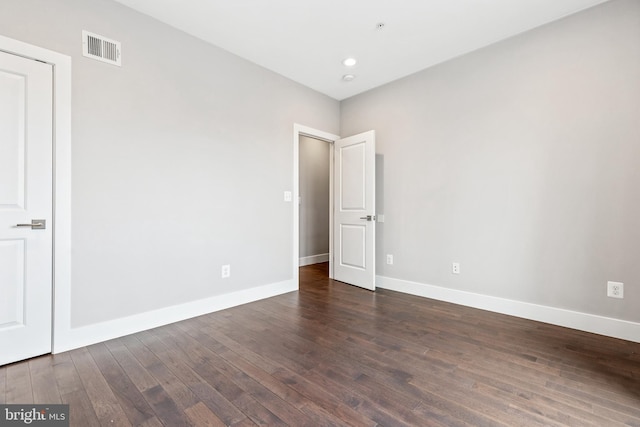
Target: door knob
36 224
368 217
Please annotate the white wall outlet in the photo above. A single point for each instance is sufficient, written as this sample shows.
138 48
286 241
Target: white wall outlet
288 196
455 268
389 259
615 289
225 271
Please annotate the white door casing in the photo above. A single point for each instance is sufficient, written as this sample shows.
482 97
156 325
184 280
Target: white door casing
354 210
26 193
300 130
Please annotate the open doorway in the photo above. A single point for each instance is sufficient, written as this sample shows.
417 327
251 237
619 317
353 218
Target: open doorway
301 132
314 204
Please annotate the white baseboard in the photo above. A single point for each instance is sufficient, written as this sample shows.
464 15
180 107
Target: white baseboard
313 259
556 316
104 331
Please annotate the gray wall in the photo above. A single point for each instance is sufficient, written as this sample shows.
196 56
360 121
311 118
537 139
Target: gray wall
180 160
520 161
314 196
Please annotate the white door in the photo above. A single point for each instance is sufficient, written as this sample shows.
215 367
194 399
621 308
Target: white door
26 186
354 210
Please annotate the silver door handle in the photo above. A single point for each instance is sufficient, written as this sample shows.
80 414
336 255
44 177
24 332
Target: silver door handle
36 224
368 217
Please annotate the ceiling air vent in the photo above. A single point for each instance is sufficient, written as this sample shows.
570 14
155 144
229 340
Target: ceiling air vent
101 48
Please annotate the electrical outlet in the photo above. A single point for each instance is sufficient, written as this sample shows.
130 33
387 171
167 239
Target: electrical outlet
615 289
226 271
389 259
455 268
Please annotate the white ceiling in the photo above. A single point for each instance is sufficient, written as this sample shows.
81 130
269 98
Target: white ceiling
306 40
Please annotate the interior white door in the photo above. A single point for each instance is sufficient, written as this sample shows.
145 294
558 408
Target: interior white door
26 114
354 210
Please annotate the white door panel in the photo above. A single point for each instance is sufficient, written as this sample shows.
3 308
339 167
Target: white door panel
12 88
352 195
26 97
354 234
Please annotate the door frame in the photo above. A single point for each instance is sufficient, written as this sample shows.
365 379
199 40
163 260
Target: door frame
300 130
61 221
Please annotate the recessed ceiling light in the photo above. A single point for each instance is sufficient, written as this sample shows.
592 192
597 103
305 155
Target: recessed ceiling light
348 77
349 62
379 25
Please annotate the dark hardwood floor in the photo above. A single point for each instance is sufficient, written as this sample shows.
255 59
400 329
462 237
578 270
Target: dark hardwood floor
333 354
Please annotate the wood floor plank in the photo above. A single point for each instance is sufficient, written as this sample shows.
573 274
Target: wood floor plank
131 400
218 403
236 395
570 411
165 407
322 398
293 373
67 377
81 409
152 422
72 390
18 387
137 373
104 402
198 354
170 397
317 415
43 380
200 415
204 391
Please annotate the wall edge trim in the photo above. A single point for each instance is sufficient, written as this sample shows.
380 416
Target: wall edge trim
111 329
313 259
615 328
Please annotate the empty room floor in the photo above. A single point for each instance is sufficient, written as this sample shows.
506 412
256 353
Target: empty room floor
334 354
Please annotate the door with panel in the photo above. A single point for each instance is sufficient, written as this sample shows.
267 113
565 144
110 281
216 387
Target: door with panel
26 201
354 210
